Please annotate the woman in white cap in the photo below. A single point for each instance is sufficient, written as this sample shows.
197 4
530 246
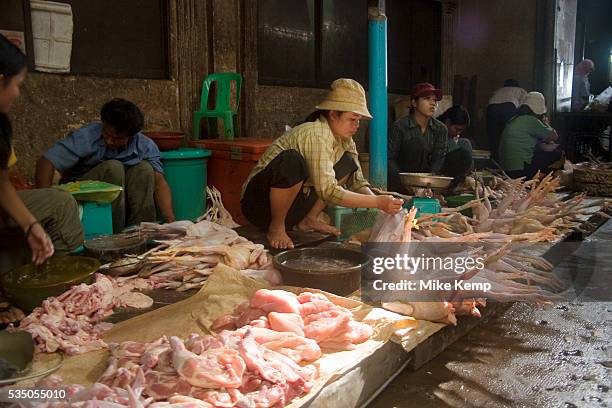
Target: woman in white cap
306 168
518 153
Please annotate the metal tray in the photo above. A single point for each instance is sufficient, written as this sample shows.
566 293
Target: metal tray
426 180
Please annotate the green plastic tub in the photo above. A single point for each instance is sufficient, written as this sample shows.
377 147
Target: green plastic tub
185 171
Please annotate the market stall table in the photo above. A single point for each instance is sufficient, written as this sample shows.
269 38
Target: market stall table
369 375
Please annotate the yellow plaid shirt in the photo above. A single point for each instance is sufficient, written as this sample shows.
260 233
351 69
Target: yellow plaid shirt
321 150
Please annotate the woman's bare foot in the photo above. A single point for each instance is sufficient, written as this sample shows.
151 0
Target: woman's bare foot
309 224
279 239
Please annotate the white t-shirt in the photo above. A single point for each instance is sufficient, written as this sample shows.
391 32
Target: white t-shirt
506 94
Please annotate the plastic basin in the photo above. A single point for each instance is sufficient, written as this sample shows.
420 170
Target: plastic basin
27 287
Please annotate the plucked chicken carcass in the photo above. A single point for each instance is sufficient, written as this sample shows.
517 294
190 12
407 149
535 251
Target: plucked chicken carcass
510 274
185 263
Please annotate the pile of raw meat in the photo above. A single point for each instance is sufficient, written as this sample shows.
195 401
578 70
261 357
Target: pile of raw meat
72 322
261 364
310 315
185 263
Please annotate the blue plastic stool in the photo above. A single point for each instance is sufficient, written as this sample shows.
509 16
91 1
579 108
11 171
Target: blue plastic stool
97 219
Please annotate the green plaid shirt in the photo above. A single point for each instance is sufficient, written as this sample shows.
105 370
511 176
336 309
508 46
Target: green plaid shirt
321 150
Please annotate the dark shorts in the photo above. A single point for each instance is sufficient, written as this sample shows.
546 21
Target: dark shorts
284 171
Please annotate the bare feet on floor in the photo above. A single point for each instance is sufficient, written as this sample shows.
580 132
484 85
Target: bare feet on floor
309 224
279 239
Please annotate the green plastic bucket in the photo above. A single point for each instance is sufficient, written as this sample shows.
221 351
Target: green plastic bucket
185 171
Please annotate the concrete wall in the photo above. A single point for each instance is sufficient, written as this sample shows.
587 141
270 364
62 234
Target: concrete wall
50 106
495 40
221 35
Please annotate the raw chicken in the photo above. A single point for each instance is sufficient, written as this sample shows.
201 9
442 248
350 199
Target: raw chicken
310 315
275 301
214 368
286 322
441 312
252 353
72 322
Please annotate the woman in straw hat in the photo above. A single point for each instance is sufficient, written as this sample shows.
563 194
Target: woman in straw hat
518 152
306 168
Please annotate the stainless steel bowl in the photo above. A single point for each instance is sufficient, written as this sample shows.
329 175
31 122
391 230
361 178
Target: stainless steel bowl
426 180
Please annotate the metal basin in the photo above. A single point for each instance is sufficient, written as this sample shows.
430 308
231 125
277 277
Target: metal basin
335 270
27 286
426 180
109 248
16 354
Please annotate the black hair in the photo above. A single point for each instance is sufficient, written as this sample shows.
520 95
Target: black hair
457 115
511 82
315 115
6 133
12 60
124 116
524 110
411 108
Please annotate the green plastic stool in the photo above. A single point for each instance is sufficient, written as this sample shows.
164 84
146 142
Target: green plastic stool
223 108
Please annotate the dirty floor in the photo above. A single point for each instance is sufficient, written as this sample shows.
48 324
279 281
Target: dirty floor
560 357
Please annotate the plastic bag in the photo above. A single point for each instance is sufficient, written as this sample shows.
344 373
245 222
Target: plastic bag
601 101
388 228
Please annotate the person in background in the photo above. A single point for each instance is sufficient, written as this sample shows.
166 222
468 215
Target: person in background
457 119
310 166
114 151
418 143
520 154
502 106
49 218
581 87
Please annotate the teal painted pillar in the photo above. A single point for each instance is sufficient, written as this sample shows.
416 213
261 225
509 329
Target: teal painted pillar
377 42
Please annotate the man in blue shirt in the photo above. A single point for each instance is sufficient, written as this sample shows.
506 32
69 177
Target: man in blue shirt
116 152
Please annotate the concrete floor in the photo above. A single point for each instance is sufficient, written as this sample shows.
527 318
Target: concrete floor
560 357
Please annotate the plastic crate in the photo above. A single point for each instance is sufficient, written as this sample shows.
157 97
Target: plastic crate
459 200
97 219
351 220
425 206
